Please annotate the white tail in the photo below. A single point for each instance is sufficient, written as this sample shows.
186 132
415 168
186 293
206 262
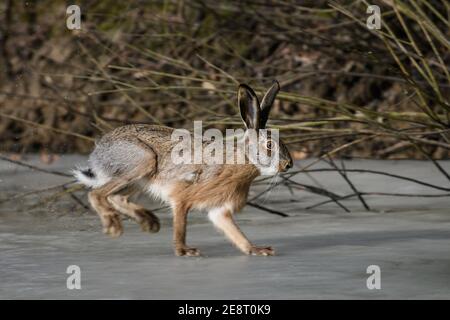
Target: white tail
90 178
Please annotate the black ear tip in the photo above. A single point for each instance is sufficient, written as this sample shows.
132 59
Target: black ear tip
247 89
242 89
275 82
244 86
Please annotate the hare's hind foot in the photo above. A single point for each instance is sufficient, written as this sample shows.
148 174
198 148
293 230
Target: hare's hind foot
148 221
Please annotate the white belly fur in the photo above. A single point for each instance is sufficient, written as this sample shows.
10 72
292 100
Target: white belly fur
159 191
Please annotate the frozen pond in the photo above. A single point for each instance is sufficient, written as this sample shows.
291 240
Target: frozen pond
321 253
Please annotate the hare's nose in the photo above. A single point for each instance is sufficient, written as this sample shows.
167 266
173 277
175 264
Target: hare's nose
289 164
286 165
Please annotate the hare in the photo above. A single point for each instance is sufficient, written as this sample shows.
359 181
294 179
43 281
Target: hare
138 157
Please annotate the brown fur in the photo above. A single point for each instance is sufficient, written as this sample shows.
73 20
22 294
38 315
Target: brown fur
230 185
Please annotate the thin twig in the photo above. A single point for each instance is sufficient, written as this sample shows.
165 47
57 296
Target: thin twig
352 186
29 166
272 211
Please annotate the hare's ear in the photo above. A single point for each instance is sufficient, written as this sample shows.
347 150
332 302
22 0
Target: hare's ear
249 106
267 101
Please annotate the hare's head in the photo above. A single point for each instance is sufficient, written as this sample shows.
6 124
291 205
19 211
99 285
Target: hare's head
270 154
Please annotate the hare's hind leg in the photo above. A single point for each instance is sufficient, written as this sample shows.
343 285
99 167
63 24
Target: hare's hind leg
109 217
98 198
148 221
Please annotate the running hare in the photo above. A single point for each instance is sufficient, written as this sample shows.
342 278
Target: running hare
135 157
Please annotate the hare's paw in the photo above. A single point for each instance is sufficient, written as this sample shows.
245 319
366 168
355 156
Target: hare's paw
187 251
112 225
262 251
148 221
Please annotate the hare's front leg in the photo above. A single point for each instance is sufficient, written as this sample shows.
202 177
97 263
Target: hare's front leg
179 233
222 218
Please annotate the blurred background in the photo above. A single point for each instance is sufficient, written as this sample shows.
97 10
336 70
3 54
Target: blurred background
347 91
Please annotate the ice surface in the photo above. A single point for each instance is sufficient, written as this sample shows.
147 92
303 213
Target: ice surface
321 253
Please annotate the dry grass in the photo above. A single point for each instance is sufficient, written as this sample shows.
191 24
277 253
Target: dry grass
170 62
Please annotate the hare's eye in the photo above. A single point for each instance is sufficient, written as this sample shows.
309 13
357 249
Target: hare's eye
269 144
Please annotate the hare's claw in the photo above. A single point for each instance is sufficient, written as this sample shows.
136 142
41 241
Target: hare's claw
187 251
262 251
